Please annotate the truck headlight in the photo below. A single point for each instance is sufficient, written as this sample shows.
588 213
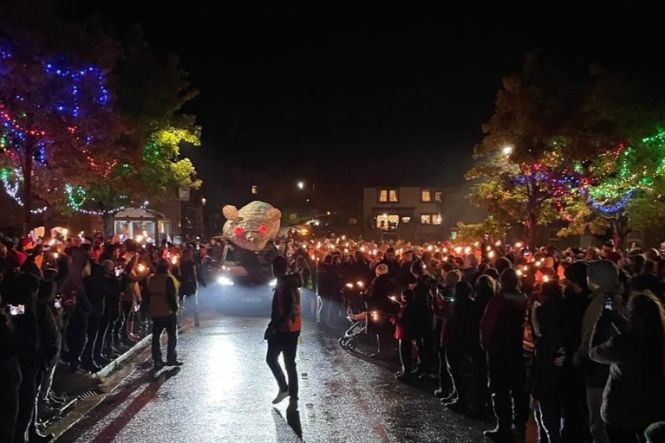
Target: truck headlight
224 281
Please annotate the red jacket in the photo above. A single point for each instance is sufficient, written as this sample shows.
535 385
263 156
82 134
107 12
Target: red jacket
501 328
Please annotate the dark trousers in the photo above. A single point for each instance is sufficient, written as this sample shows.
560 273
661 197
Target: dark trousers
424 353
158 325
100 343
113 313
94 321
189 303
479 367
507 378
405 351
125 316
27 393
625 436
445 383
324 310
455 360
285 343
77 337
574 408
10 380
548 418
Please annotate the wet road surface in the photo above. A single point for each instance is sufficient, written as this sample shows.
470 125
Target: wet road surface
223 393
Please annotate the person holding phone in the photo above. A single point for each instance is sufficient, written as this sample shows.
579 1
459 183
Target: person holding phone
10 376
19 292
549 358
633 396
603 281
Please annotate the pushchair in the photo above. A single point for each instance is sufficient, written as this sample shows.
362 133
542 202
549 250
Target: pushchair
356 312
364 319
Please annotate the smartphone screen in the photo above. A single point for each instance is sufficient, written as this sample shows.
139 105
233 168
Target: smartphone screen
609 303
16 309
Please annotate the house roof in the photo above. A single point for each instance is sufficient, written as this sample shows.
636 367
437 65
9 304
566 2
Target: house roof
130 213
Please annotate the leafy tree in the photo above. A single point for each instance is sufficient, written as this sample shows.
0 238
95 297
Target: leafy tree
55 108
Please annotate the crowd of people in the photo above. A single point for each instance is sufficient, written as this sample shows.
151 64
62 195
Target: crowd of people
577 336
72 305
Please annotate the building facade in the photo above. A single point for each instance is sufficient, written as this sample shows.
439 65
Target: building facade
412 213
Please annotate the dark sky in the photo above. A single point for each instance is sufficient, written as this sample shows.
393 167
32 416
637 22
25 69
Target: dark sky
361 93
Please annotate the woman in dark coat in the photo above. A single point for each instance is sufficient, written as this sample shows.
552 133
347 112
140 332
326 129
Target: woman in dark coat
328 287
547 323
633 396
380 307
422 320
189 285
461 339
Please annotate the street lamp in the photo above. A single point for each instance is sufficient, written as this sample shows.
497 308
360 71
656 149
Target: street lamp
301 185
507 150
203 201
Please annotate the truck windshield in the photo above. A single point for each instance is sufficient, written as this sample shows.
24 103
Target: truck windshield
243 257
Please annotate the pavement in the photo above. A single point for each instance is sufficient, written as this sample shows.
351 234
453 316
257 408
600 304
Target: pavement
223 392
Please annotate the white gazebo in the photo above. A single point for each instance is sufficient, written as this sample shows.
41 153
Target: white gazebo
143 225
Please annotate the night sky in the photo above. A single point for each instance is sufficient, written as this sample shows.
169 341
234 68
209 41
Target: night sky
344 95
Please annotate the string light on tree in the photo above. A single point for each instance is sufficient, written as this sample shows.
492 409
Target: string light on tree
12 189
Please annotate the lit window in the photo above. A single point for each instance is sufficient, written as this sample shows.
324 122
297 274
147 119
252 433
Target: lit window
436 219
426 219
437 196
387 222
383 195
255 189
406 219
425 195
393 195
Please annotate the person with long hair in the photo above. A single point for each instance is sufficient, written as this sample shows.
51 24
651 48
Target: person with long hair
547 392
633 395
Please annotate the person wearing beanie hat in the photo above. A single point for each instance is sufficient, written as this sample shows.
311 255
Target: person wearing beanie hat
390 260
575 302
378 301
502 263
609 252
604 283
576 275
501 333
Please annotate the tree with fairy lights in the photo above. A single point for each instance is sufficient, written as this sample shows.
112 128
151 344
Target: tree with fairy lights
518 163
56 121
150 93
575 145
617 156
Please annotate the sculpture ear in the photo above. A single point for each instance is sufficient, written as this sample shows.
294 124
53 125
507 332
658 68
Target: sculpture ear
230 212
273 214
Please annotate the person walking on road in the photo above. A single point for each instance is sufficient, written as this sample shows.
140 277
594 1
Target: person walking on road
283 331
162 308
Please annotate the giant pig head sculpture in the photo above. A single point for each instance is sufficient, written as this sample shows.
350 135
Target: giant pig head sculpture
252 226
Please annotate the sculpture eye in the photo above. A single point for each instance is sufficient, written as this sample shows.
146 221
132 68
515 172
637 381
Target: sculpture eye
263 229
238 231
